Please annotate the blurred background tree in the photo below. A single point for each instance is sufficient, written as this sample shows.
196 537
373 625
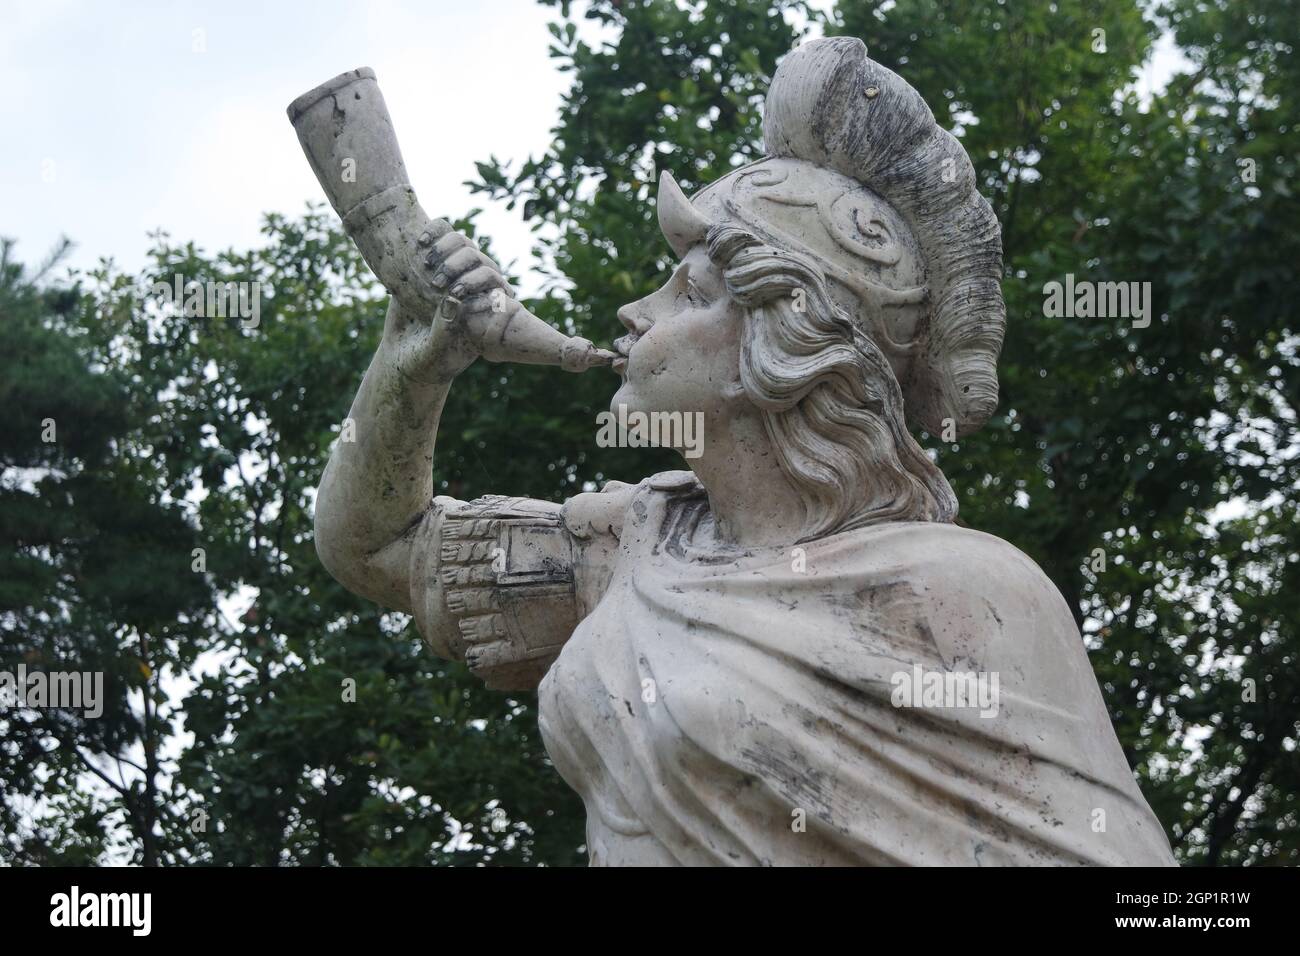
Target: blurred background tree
87 535
260 714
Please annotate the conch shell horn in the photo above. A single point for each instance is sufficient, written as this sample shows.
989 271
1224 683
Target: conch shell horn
345 130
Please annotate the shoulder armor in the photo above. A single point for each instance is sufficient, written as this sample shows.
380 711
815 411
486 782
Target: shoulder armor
496 586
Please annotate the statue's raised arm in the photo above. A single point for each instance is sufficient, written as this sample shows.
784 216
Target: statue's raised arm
450 305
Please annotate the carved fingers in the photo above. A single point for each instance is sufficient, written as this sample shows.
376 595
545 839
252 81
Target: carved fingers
463 270
434 345
473 280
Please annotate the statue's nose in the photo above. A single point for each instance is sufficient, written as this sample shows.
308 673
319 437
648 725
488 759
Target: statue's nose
633 318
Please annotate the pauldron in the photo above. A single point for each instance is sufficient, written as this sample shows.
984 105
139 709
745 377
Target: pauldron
496 586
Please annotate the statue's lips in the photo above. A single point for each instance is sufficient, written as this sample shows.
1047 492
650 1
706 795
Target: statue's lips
624 348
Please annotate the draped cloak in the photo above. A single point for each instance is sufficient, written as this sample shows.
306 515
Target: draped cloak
739 707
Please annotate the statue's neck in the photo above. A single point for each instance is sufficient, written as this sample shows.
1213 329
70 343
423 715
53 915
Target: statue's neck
752 501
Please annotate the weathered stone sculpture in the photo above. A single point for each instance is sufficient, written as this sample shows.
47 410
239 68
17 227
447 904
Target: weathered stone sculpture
789 654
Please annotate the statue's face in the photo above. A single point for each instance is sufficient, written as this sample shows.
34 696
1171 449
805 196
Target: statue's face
683 346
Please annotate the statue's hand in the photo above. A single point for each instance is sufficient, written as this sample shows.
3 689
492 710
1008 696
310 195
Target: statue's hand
432 342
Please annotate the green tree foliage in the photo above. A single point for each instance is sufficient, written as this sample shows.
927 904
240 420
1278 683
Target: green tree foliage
86 533
261 714
311 728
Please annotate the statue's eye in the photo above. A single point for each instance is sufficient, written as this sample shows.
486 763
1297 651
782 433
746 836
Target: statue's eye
694 295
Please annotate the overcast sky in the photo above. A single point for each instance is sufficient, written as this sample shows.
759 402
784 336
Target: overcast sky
122 118
114 125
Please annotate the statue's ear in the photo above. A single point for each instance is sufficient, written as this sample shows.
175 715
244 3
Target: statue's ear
679 221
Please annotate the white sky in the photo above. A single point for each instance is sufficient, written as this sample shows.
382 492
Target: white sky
137 131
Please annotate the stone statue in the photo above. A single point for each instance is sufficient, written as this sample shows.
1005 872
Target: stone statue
789 654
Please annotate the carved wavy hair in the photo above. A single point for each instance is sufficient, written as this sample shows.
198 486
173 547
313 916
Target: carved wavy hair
830 401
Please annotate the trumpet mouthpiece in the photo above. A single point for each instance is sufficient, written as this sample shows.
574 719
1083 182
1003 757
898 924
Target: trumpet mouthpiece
579 354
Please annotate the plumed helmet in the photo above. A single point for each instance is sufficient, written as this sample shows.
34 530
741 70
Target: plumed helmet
860 176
